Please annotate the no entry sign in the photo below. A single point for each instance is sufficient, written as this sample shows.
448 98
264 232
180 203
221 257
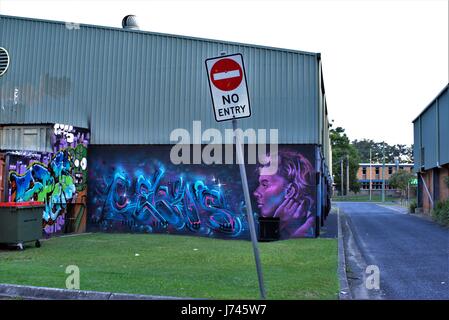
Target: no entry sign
227 82
226 74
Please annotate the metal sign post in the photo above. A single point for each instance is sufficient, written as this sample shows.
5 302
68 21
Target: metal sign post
249 210
227 83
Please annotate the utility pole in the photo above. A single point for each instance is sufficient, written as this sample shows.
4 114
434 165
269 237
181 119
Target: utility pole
341 176
383 172
370 174
347 175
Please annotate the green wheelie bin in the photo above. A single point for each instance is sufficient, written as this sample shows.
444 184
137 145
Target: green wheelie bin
21 222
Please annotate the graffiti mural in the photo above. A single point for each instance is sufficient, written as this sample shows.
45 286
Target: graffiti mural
142 195
289 194
58 179
138 189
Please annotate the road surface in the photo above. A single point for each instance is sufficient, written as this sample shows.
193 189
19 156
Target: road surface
412 253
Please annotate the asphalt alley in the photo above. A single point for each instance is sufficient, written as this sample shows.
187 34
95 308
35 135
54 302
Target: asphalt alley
412 253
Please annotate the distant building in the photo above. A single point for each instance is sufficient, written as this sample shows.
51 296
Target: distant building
373 173
431 151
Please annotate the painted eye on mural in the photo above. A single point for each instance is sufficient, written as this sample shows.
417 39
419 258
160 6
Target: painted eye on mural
77 163
84 164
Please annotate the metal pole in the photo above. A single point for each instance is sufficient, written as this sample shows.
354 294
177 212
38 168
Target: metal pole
347 175
383 173
370 175
249 210
427 190
341 176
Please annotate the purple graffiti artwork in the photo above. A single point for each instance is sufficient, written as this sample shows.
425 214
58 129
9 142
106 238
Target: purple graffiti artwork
287 194
144 192
56 226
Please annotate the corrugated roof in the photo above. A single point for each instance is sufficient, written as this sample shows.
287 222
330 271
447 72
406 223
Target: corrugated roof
433 100
159 34
135 87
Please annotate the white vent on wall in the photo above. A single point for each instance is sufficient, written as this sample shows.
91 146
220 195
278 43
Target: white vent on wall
4 61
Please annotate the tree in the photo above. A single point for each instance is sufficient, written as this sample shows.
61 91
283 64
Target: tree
342 150
400 180
363 147
402 151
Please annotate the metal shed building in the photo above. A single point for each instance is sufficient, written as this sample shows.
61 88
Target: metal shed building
117 94
431 151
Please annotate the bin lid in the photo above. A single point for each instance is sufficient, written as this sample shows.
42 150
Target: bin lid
21 204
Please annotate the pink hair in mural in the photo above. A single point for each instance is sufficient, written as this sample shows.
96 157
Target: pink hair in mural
288 193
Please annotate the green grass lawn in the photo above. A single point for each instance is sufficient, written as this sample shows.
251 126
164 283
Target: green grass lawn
178 266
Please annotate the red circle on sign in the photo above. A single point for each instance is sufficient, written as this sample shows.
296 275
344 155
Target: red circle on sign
226 74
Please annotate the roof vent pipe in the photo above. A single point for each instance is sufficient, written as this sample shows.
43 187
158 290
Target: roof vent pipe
130 22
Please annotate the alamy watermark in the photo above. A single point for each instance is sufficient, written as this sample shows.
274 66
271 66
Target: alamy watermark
372 281
219 148
73 280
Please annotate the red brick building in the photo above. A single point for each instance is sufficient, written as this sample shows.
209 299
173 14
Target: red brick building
373 174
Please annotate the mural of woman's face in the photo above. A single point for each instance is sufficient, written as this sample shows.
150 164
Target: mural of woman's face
270 193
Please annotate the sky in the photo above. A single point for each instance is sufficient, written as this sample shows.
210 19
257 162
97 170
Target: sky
383 61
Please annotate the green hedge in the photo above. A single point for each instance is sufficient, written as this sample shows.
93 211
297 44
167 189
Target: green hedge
441 212
412 206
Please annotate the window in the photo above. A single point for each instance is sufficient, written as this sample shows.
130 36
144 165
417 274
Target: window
390 170
364 170
30 139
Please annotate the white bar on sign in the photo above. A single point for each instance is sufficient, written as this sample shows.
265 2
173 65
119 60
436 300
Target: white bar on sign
227 75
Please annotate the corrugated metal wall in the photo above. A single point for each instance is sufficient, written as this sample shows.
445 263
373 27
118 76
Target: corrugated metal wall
31 138
133 87
324 122
417 146
443 106
431 133
428 136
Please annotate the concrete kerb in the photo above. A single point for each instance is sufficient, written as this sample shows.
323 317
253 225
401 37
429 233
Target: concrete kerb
345 292
44 293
